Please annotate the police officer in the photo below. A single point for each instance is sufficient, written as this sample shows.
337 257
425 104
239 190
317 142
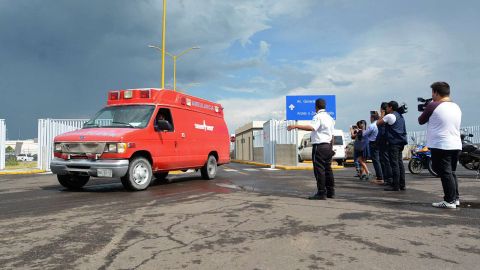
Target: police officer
396 134
322 127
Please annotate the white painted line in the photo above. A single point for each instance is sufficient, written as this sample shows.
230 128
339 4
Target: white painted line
270 169
227 186
251 170
230 170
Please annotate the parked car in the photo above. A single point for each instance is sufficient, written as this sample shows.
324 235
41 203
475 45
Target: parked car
23 157
305 148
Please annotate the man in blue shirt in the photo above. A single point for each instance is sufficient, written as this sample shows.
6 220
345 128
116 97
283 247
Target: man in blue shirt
371 133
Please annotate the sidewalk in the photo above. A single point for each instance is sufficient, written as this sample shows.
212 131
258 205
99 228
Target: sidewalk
308 166
21 171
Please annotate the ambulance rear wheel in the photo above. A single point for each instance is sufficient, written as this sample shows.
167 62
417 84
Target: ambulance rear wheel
139 175
73 181
209 170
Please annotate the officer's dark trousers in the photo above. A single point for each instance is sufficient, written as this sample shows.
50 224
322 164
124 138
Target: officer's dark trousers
322 168
444 163
374 154
385 162
396 162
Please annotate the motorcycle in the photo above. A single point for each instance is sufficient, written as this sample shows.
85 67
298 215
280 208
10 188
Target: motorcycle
470 155
421 159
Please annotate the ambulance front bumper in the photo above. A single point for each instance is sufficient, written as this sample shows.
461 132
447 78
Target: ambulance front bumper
97 168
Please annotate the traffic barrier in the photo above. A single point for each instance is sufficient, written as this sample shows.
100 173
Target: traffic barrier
3 138
47 130
421 136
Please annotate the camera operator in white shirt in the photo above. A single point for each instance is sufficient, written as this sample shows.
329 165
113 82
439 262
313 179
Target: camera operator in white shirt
443 138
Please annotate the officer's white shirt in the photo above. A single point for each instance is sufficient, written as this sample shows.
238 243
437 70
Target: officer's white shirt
390 119
323 125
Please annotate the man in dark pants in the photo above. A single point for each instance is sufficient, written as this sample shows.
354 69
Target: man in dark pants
371 133
443 138
396 140
383 151
322 127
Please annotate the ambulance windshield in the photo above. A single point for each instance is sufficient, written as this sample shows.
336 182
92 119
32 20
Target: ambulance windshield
131 116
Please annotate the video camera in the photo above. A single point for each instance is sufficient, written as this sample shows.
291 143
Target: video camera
423 104
403 108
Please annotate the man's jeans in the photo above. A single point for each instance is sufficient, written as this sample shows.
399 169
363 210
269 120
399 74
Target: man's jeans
385 161
374 154
444 163
396 162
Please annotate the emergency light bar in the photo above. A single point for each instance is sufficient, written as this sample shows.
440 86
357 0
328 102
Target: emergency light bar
127 94
114 95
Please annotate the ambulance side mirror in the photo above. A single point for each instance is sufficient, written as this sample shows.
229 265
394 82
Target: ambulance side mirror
163 125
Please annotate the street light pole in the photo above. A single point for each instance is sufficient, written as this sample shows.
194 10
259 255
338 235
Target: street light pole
163 41
175 57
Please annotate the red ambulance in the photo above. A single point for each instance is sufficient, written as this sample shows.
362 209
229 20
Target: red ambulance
143 134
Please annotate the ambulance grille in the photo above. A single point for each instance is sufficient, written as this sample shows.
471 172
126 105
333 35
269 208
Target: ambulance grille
83 148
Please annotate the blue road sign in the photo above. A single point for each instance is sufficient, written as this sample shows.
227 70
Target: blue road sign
303 107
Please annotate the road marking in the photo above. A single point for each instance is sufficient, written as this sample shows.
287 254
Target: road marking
270 169
227 186
230 170
251 170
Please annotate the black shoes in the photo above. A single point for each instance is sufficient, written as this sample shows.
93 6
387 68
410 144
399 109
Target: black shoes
317 197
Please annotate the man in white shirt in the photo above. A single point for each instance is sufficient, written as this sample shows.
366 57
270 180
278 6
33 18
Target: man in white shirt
371 133
322 127
443 138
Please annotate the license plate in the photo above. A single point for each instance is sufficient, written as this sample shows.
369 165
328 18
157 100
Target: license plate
104 173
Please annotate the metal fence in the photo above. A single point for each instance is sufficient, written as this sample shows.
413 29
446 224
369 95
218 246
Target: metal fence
275 132
420 137
47 130
3 138
258 138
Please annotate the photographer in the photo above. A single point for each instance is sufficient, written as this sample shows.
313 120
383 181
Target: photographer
383 151
443 138
371 133
396 134
361 150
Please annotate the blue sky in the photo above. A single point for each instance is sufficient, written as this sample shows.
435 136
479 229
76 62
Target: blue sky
58 59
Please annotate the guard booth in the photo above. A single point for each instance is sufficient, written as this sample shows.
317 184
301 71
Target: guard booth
246 142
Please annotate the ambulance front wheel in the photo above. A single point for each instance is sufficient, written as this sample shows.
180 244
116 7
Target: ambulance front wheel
73 181
209 170
139 175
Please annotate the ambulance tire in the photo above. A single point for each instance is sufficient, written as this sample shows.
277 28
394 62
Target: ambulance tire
73 182
209 170
139 175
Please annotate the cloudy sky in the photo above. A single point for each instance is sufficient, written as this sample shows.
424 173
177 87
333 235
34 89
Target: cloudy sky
59 58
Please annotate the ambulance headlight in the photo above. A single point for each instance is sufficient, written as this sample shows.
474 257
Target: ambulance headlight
57 147
115 148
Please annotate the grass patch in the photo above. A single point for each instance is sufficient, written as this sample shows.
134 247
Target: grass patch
20 165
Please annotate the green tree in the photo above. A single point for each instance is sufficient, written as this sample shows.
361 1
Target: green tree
9 149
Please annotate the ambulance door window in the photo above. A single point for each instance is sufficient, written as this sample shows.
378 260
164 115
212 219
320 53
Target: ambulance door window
164 114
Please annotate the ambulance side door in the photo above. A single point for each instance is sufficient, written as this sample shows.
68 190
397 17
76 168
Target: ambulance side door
165 142
187 140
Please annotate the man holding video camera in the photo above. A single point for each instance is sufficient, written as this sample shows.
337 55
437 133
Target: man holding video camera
396 135
443 138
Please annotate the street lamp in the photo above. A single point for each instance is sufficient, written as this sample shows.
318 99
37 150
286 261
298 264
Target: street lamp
174 57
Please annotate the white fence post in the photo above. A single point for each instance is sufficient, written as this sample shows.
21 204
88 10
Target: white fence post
47 130
3 138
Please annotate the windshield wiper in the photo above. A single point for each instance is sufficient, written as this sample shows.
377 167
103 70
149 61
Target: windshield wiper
91 125
123 123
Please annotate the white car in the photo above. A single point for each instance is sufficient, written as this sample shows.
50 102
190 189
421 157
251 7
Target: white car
305 148
23 157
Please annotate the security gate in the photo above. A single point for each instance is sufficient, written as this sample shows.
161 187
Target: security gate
3 138
275 132
47 130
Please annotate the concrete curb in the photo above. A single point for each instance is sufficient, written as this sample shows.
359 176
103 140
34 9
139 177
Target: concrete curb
282 167
21 172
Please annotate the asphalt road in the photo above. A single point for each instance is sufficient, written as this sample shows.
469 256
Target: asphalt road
247 218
